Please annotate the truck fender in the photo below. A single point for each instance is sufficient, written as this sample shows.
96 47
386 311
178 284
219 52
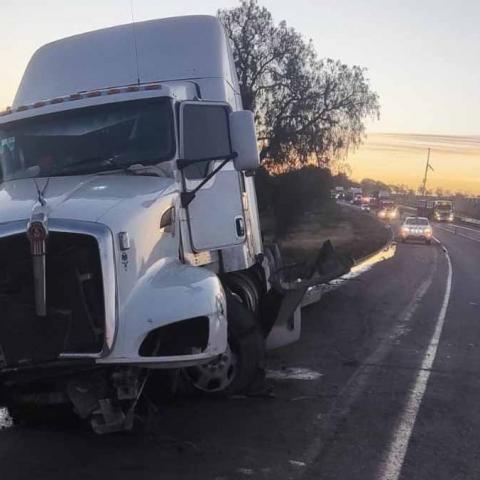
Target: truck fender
168 292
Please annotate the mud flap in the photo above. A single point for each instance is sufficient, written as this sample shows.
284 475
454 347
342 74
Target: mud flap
280 309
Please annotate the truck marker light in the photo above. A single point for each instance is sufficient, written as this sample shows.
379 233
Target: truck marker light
155 86
83 95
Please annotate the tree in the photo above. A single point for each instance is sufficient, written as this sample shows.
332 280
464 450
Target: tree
307 110
370 186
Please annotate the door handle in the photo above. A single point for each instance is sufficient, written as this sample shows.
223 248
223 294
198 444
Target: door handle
240 226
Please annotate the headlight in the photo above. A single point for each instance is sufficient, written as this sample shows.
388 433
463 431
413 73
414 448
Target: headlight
405 230
428 231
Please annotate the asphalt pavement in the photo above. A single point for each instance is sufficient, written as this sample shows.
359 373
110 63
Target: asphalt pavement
384 384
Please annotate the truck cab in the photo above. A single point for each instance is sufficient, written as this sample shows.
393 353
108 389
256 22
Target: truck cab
443 211
129 233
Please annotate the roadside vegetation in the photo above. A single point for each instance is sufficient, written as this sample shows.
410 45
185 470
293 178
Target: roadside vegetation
309 112
297 213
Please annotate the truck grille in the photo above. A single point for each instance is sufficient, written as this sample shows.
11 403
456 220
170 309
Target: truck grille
75 321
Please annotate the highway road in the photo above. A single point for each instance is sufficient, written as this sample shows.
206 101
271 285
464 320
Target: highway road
385 384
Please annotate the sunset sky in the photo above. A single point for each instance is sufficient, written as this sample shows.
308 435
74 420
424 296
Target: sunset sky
422 59
401 159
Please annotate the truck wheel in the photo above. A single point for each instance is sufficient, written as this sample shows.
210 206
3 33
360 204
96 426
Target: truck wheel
241 366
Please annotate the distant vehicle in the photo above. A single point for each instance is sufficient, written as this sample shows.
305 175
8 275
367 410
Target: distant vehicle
416 228
365 207
439 210
381 199
443 211
388 212
387 203
357 199
384 194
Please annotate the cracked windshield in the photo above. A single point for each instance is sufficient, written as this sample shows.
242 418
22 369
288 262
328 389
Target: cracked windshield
239 239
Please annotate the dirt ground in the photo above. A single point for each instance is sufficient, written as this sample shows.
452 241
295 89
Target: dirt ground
351 231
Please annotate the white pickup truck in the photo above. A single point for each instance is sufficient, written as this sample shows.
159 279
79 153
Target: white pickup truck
129 233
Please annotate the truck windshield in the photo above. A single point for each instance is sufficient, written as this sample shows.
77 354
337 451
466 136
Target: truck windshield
88 140
444 206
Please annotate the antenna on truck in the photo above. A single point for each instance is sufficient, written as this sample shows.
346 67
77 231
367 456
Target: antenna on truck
134 33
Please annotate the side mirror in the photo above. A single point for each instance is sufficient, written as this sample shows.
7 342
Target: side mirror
244 140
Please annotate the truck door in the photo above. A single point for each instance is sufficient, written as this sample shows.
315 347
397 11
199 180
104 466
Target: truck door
215 216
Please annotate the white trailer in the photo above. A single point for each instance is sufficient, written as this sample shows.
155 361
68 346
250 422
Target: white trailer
129 233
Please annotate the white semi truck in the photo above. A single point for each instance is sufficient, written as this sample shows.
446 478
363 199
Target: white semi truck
129 234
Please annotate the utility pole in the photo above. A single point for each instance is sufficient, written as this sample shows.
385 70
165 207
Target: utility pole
427 167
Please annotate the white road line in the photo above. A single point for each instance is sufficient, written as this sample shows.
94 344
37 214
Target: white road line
459 234
466 228
359 381
391 467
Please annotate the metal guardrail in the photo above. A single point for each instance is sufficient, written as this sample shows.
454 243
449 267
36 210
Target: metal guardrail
473 221
315 293
460 218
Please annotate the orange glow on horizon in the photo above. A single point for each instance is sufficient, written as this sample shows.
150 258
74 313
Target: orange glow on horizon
400 159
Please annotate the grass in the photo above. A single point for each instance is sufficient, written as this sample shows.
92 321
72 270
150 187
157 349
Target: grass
351 231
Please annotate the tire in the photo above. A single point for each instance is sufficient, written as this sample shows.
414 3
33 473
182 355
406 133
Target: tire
428 242
246 348
243 286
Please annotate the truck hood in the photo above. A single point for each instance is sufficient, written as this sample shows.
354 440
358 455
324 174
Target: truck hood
86 197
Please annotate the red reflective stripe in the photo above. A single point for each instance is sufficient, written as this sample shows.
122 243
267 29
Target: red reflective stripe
96 93
38 104
132 89
56 100
75 96
112 91
22 108
153 87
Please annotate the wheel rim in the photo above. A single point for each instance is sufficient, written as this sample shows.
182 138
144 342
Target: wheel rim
216 375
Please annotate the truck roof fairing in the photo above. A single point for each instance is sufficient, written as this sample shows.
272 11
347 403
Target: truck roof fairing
177 48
